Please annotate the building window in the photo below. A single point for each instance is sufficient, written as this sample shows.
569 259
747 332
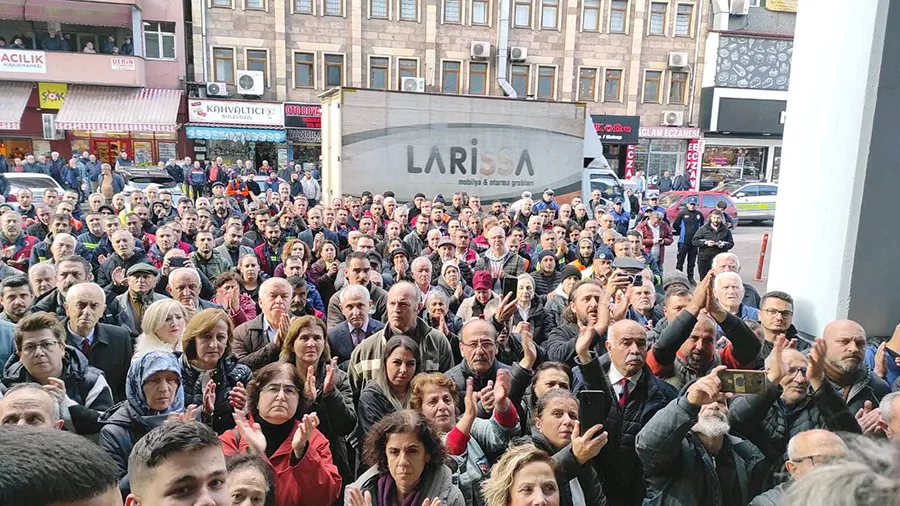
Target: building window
658 11
254 4
221 3
303 7
378 73
452 11
587 83
479 12
304 70
223 64
546 87
549 11
522 14
652 78
618 12
590 17
612 89
683 20
450 77
406 68
258 59
478 78
159 40
378 9
334 70
409 10
334 7
519 77
677 87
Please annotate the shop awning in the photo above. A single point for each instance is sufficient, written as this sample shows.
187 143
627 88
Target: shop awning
13 98
124 109
12 9
73 12
236 133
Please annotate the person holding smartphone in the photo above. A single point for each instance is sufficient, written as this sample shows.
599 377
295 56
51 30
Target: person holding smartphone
711 239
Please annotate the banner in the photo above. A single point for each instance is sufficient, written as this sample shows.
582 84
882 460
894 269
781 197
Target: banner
629 161
692 163
52 94
617 129
23 60
782 5
236 112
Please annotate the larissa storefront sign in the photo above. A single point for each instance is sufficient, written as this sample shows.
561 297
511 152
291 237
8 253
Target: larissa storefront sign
20 60
236 112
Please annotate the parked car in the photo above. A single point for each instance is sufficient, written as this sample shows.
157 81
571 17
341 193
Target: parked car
755 201
674 202
37 183
139 178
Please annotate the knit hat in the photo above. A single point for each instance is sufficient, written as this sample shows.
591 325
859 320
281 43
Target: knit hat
450 264
545 253
482 280
569 271
675 278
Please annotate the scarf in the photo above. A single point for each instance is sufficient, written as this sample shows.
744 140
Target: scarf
141 370
388 497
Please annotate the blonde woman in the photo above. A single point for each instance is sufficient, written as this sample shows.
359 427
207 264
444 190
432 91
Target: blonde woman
163 326
524 476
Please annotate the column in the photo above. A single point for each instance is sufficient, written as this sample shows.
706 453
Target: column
836 239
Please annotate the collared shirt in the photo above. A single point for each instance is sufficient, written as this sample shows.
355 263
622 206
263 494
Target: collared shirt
89 337
615 377
364 326
269 330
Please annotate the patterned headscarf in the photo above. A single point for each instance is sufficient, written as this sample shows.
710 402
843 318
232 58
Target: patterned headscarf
141 370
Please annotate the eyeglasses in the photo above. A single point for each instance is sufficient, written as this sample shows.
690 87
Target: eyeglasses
794 370
484 345
46 346
274 389
817 460
771 311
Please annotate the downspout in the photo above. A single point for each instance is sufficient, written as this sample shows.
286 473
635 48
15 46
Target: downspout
696 63
503 51
203 39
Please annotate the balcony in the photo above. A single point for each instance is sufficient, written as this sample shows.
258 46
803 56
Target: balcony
65 67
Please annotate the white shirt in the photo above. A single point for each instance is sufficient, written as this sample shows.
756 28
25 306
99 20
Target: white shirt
615 377
269 330
656 232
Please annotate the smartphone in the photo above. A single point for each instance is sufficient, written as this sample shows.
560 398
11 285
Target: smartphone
741 381
176 262
593 407
510 285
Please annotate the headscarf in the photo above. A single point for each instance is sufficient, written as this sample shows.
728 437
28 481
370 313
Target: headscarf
141 370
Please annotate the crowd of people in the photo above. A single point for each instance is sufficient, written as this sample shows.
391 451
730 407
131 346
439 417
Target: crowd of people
55 40
265 344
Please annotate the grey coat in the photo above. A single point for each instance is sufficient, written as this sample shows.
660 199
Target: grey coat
488 440
127 314
434 483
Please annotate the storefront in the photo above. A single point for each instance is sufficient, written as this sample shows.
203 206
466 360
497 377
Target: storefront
661 149
618 134
726 159
303 127
237 130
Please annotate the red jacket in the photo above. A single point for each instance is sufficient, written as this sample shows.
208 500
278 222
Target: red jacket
665 232
313 481
22 251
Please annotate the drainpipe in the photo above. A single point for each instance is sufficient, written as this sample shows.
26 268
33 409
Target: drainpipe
503 51
203 41
694 76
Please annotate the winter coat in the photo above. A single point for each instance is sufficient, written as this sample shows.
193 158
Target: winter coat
450 293
513 264
52 302
337 418
544 284
226 375
127 314
686 225
568 469
461 372
373 405
665 233
487 441
215 265
436 482
541 321
471 308
415 243
104 273
251 345
376 295
118 182
707 233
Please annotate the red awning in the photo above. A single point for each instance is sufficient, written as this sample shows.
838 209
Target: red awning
12 9
124 109
77 12
13 98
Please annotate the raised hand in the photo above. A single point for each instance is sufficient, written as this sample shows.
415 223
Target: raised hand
57 389
189 414
501 390
330 374
529 349
304 431
309 385
432 502
880 363
487 397
777 369
357 498
706 389
869 419
118 276
209 397
250 432
589 445
815 369
622 301
507 308
698 302
281 332
237 397
712 304
584 342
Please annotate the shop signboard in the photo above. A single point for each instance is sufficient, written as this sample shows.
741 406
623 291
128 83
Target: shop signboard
692 163
782 5
122 63
617 129
23 60
51 95
662 132
298 115
304 135
629 161
235 112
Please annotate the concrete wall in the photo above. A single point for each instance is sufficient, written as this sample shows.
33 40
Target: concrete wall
160 73
762 20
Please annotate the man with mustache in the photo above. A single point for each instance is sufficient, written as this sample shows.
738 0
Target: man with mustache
688 455
478 345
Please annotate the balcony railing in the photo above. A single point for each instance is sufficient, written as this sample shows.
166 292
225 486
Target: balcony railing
65 67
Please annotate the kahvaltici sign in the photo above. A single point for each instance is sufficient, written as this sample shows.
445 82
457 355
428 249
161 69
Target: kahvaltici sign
235 112
617 129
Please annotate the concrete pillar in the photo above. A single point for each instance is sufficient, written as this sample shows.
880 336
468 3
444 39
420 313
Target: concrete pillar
137 31
836 239
634 73
280 8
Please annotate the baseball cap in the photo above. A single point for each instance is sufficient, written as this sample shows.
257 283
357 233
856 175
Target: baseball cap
446 241
653 197
617 200
549 191
482 280
603 253
690 202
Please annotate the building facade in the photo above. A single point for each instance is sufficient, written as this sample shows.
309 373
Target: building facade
615 55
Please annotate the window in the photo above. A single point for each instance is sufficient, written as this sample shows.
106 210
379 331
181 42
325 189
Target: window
409 10
651 86
658 18
519 77
590 17
407 68
618 10
304 70
549 11
258 59
479 12
708 202
452 11
478 78
334 7
334 70
254 4
159 40
378 9
546 82
677 87
378 73
223 64
303 7
612 90
751 190
684 17
587 81
221 3
522 14
450 77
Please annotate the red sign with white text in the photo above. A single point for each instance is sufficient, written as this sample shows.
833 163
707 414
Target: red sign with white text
692 163
629 161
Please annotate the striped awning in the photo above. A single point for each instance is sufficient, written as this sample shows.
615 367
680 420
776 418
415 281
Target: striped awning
124 109
13 98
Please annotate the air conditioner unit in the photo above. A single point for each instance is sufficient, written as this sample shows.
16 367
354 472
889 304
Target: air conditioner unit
480 50
216 90
518 54
48 123
251 82
678 60
414 84
673 118
740 7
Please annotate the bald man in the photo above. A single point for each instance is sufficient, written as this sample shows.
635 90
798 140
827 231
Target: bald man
258 342
729 291
106 347
806 451
635 395
29 404
845 344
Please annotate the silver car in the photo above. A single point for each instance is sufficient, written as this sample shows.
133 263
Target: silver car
37 183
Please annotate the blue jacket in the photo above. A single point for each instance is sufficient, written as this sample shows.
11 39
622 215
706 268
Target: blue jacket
540 205
93 170
621 220
7 347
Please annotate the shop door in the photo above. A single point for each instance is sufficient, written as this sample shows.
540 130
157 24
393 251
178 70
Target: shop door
108 149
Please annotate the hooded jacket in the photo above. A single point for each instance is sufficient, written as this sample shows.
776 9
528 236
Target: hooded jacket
435 482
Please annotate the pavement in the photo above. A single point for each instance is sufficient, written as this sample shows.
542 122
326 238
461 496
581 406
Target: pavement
747 242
